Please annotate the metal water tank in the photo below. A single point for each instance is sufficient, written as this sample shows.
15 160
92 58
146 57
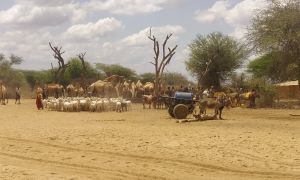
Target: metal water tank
183 96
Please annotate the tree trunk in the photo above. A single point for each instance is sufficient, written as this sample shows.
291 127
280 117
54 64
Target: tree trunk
298 60
156 84
298 74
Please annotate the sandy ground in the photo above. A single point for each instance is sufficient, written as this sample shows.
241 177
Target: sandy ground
147 144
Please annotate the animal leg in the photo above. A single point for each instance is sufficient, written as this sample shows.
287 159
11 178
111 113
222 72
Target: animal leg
220 110
216 112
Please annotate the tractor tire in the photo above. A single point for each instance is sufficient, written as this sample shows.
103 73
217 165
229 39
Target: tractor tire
180 111
170 111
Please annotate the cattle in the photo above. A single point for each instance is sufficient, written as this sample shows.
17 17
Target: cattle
149 99
163 101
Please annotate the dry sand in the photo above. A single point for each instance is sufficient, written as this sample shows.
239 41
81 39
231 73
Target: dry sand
147 144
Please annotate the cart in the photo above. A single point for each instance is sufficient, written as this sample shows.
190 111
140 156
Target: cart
181 105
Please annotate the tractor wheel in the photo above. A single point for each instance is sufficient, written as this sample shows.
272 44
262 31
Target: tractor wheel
180 111
170 111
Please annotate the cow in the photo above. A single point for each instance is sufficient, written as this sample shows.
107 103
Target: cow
149 99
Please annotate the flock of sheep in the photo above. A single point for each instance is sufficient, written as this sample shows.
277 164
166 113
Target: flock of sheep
91 104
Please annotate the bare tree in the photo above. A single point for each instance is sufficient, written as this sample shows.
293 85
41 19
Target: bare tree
160 62
81 57
84 74
62 66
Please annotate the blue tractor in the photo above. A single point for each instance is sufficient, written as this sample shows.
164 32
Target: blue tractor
181 105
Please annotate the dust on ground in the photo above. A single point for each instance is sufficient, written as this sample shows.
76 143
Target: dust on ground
147 144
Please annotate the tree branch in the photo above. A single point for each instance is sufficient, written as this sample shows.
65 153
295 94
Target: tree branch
61 62
158 63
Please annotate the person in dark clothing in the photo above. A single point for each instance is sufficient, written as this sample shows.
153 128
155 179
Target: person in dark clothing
168 91
253 95
181 88
173 91
44 96
186 89
18 95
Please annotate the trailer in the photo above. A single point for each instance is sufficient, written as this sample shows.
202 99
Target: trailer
181 105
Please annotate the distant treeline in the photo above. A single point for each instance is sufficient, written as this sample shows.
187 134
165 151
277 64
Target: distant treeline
75 74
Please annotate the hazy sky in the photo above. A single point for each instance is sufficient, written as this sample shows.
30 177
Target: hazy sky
114 31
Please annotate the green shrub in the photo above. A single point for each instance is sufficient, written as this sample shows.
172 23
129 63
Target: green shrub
266 90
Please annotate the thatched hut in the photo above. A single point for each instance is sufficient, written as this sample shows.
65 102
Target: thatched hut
288 90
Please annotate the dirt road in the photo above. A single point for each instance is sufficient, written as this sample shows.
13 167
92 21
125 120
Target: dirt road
147 144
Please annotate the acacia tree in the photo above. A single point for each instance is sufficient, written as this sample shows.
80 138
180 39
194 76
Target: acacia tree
175 79
147 77
273 68
11 77
78 74
8 74
160 62
169 78
116 69
214 57
62 66
276 30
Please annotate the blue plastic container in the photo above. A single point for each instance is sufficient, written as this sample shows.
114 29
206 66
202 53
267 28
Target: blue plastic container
183 96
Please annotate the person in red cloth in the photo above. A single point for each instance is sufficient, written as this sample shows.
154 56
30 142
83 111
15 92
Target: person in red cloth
38 101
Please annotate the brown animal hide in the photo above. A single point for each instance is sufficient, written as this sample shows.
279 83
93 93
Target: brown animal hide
149 99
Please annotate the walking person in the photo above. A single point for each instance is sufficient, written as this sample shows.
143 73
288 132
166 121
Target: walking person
38 101
18 95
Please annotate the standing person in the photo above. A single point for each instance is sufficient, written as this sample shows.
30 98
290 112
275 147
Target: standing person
18 95
212 91
252 97
168 91
181 88
44 94
38 101
186 89
172 91
240 91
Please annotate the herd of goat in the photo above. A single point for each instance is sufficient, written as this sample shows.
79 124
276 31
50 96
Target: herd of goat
91 104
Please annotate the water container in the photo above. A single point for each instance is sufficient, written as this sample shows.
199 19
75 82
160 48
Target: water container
184 95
